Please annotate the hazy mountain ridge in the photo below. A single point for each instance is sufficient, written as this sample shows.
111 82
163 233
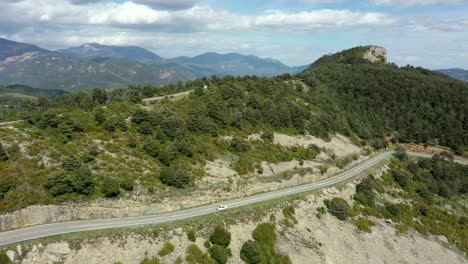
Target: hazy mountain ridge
238 64
95 65
456 73
95 50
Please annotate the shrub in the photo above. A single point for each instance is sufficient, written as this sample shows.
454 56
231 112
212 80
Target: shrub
339 208
220 254
71 163
178 178
268 136
196 255
393 209
3 155
263 248
191 235
365 192
264 234
320 212
220 236
364 225
288 211
151 147
145 128
127 183
153 260
84 181
207 244
238 145
251 253
110 187
4 259
59 184
166 250
403 178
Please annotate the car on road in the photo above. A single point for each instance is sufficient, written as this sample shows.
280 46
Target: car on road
221 207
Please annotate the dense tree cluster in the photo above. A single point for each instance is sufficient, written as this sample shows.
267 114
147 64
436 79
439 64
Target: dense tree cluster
377 100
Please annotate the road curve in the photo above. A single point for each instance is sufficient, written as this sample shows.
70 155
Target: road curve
33 232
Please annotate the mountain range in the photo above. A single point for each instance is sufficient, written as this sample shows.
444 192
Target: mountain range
95 65
456 73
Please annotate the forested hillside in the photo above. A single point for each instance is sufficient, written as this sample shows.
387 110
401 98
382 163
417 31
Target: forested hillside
379 100
62 152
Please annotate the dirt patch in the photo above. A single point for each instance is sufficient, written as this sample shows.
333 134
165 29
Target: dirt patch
339 145
426 149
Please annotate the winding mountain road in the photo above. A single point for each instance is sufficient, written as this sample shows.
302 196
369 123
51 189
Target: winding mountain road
33 232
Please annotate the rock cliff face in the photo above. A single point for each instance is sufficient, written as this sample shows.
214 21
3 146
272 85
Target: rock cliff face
311 239
376 54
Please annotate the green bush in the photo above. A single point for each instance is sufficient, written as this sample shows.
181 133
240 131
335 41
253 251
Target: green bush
178 178
263 248
166 250
320 212
4 259
238 145
220 236
110 187
191 235
339 208
220 254
127 183
264 233
393 209
365 194
403 178
84 181
59 184
289 212
252 253
196 256
364 225
3 155
153 260
71 163
268 136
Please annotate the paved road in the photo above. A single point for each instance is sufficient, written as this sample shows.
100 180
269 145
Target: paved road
170 96
28 233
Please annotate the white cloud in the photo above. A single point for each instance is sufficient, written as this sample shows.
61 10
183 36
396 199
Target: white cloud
194 19
417 2
319 20
433 24
156 4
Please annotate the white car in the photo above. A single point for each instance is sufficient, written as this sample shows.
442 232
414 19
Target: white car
222 207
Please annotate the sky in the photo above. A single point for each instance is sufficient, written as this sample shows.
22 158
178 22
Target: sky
427 33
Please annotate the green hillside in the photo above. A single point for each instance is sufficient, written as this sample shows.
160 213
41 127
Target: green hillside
381 101
69 138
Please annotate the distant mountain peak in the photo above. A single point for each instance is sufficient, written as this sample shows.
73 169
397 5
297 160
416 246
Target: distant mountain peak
96 50
9 48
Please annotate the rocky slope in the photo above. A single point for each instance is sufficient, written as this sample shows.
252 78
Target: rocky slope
311 240
220 183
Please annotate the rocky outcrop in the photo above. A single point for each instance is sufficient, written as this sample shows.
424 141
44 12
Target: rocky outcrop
376 54
311 239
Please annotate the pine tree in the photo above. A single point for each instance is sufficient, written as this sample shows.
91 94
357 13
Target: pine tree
3 155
